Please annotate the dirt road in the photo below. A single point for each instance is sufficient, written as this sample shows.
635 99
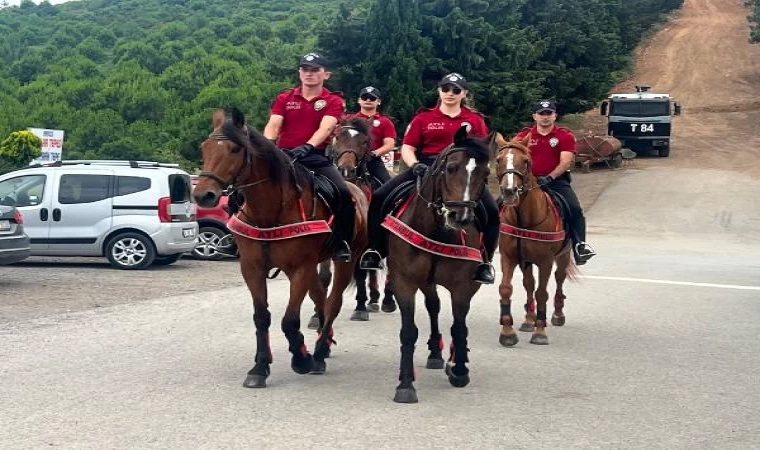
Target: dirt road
703 58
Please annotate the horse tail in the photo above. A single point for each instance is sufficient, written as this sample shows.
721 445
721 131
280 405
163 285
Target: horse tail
572 271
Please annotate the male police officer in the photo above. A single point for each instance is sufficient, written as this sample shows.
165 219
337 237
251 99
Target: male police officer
301 120
552 150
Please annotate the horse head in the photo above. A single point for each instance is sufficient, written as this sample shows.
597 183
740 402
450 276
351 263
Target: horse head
513 168
352 146
459 176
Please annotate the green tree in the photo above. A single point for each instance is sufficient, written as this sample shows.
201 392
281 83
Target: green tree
18 149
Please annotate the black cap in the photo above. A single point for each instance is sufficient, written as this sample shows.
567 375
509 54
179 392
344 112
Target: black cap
545 105
312 60
370 90
455 79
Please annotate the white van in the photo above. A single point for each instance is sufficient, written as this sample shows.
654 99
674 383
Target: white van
136 213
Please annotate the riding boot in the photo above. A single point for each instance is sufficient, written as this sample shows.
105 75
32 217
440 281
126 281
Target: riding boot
581 250
485 273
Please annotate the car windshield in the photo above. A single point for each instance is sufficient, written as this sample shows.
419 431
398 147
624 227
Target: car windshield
640 108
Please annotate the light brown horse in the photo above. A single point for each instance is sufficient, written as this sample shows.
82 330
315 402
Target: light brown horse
532 234
441 209
277 194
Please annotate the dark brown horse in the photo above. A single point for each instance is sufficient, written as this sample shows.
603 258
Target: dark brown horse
532 234
442 210
352 153
278 196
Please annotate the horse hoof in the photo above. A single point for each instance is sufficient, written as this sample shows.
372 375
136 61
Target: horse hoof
314 322
434 363
539 339
319 368
459 381
405 395
389 306
360 316
373 307
302 366
527 327
558 321
508 340
255 381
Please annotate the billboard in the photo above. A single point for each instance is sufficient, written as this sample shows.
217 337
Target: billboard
52 145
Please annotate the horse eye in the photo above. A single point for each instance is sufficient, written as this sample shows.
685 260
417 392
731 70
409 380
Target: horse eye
235 149
451 168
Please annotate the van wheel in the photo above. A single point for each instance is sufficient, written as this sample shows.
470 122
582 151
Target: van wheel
166 260
208 239
130 251
664 152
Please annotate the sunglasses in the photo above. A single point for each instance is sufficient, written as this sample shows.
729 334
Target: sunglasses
368 98
455 90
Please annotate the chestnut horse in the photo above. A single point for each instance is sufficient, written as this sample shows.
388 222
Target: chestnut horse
278 194
446 252
532 234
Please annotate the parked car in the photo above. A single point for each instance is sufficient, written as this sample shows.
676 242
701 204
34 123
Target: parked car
14 243
212 228
136 213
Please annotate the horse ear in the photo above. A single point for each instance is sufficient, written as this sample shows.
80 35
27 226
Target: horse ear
238 118
217 119
526 140
460 136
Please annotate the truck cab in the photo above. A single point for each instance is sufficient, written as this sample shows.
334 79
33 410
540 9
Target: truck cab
641 120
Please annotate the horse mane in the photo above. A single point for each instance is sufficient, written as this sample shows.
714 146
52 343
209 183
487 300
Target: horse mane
260 147
361 125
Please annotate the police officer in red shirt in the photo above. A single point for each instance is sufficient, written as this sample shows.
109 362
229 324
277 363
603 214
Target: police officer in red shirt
431 131
301 120
552 150
383 132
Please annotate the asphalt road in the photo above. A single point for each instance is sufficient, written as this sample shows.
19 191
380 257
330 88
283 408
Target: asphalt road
641 363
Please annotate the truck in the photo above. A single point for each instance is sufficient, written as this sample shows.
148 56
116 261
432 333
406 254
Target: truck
641 120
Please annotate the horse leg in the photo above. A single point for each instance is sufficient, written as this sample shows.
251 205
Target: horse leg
563 261
405 391
529 283
374 292
257 284
542 295
435 343
360 313
300 282
324 278
508 336
456 368
344 272
389 303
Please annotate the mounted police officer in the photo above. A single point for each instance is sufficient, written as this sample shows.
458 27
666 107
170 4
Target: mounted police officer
432 130
383 131
302 118
552 149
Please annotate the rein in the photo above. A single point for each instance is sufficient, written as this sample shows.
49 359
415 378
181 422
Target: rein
522 189
439 205
249 162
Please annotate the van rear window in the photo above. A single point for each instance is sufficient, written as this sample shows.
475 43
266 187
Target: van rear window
131 185
180 188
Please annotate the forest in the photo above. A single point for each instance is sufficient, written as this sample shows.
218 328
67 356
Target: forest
139 79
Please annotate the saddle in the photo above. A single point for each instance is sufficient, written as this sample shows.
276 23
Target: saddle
401 194
562 207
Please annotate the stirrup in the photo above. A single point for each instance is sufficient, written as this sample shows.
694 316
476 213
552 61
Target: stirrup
588 253
342 252
485 273
370 260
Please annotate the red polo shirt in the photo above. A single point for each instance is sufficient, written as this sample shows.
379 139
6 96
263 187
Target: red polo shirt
302 117
433 130
545 150
382 128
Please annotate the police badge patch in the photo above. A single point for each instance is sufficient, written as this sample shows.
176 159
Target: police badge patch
467 126
375 123
319 104
553 142
545 104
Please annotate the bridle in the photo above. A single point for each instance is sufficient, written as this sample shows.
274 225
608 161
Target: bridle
248 162
352 172
519 190
441 206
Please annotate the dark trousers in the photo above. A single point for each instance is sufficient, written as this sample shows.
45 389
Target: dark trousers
345 215
577 221
376 168
379 238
